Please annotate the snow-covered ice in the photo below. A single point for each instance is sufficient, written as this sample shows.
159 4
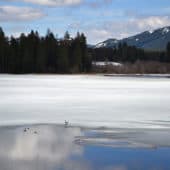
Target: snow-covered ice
127 102
102 63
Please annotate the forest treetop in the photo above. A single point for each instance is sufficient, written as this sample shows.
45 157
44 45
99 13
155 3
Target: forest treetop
34 54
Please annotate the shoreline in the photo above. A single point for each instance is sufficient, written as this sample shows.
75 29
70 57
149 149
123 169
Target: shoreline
111 137
135 75
97 128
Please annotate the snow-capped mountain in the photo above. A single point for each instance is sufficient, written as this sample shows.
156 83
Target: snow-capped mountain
148 40
108 43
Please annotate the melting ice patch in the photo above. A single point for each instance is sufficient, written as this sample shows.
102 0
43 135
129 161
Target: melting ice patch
126 138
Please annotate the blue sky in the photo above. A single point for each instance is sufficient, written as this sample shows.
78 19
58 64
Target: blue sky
98 19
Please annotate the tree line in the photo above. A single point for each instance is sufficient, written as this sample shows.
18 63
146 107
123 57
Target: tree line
34 54
124 53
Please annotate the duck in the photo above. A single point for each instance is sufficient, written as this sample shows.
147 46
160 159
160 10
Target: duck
66 123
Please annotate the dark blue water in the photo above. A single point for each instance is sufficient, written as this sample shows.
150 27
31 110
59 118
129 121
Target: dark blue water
47 147
128 159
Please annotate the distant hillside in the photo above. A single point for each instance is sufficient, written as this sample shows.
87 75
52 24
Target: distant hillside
149 40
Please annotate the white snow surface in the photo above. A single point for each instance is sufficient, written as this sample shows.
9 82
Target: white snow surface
151 31
102 63
96 101
165 30
100 45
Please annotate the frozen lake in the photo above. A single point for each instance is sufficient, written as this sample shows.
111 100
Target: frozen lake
105 101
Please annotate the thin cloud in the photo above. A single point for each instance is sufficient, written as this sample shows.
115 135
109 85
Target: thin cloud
151 22
98 3
123 29
51 2
58 3
13 13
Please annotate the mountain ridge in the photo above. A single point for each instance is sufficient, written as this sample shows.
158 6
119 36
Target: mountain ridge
153 40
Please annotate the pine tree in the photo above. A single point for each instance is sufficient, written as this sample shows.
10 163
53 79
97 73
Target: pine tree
86 57
168 52
66 36
51 52
41 57
2 51
13 57
62 60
